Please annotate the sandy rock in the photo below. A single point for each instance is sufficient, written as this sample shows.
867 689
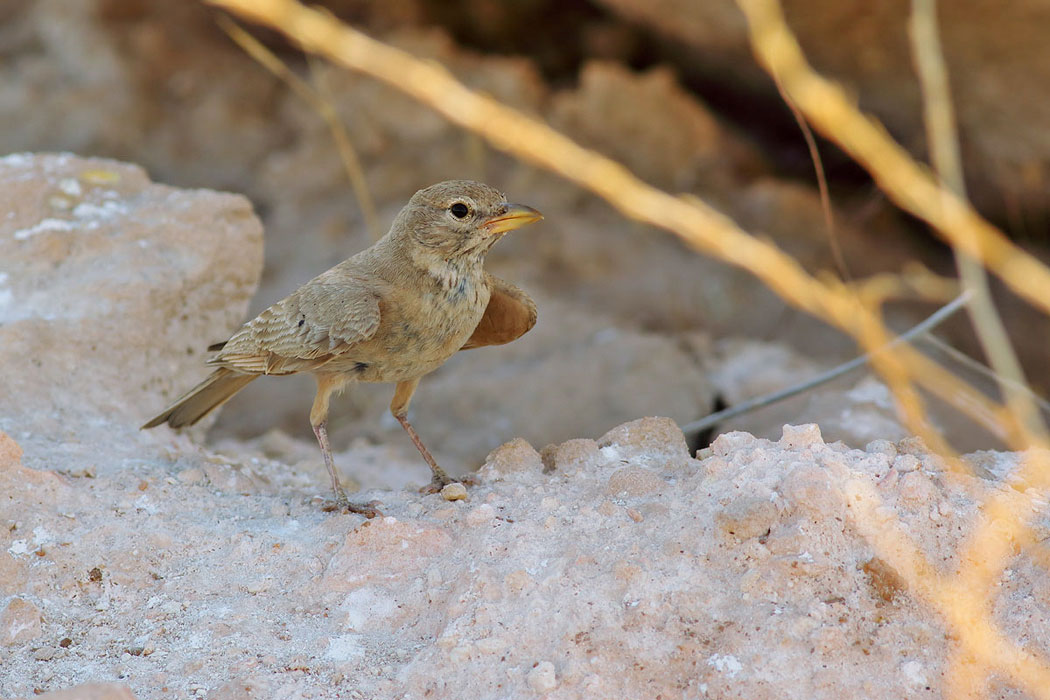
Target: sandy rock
10 452
579 453
600 578
645 436
111 289
680 146
514 456
92 691
542 678
19 622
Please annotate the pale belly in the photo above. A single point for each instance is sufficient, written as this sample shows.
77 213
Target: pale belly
418 342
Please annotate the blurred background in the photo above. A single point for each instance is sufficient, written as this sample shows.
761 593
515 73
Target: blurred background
631 322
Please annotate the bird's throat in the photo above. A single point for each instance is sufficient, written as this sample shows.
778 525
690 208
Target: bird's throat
457 278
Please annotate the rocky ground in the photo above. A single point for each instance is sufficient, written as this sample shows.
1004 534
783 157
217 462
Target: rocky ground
620 566
591 560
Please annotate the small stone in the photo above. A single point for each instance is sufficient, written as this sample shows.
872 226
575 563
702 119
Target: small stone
460 653
257 586
634 481
906 463
542 678
801 435
747 517
730 442
91 691
517 581
480 515
514 456
229 479
19 622
913 446
491 645
10 451
192 475
882 447
811 489
454 492
647 435
45 653
579 453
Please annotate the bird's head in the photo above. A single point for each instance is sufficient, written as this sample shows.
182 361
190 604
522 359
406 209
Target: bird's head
460 219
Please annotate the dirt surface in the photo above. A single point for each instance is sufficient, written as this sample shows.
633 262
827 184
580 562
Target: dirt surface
612 568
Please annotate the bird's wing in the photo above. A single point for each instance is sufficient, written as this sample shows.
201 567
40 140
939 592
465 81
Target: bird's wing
509 315
320 320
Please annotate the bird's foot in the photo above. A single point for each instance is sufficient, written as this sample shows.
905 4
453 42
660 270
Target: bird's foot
442 479
343 504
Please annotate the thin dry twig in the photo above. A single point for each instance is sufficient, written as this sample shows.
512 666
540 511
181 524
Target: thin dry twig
822 181
942 314
320 103
992 542
347 153
985 371
943 140
909 184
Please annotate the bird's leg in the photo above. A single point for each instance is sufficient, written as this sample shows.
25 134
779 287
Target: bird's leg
399 407
326 384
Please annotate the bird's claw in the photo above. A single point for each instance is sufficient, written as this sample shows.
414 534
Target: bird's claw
343 504
440 482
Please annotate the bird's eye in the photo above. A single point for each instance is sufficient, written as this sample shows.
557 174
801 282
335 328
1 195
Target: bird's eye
459 210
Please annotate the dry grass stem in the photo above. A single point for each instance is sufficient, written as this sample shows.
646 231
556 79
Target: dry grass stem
972 364
822 182
319 101
943 140
910 185
347 153
942 314
992 543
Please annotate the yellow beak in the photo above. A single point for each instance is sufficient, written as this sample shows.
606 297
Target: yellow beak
514 216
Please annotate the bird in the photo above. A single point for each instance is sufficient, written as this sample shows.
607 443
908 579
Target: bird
393 312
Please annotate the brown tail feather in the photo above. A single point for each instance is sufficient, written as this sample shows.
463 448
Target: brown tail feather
202 399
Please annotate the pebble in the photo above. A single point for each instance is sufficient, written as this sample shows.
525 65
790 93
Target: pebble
801 435
542 678
44 653
454 492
